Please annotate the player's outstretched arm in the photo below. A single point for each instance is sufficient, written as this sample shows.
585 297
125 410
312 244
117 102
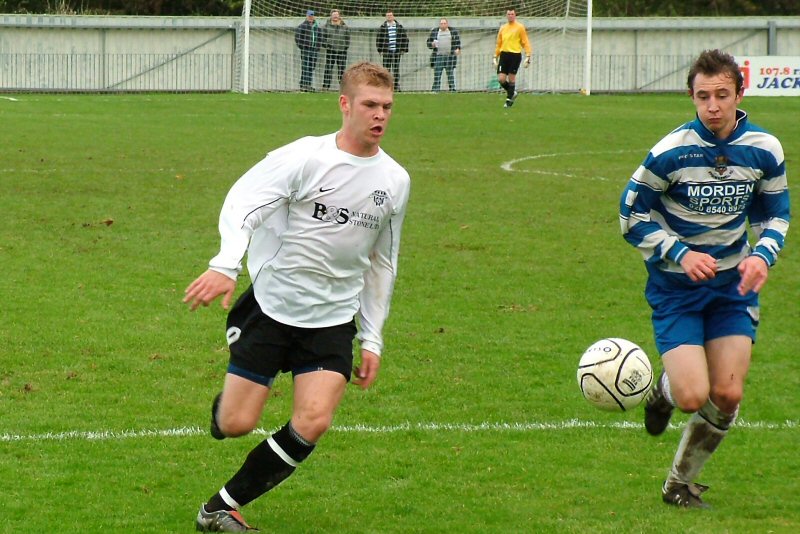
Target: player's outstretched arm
207 287
367 372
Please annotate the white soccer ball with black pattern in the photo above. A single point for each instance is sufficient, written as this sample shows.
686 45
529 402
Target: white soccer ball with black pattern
614 374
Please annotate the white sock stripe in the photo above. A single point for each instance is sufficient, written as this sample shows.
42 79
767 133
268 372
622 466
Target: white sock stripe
228 499
665 389
280 452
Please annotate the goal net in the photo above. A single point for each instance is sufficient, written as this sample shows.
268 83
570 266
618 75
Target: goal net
281 47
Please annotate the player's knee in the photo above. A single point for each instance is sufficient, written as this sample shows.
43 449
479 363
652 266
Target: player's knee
727 397
691 404
312 426
690 400
237 424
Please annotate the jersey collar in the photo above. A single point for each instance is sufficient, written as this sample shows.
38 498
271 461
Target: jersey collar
708 135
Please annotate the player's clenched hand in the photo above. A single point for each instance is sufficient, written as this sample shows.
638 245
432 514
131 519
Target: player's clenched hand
527 62
754 271
494 61
367 372
699 266
207 287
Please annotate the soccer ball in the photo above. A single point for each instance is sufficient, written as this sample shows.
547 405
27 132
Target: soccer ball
614 374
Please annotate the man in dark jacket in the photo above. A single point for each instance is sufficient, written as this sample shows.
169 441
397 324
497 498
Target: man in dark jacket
445 44
336 40
392 43
308 38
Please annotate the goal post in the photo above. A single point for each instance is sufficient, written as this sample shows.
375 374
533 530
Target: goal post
243 63
587 64
271 54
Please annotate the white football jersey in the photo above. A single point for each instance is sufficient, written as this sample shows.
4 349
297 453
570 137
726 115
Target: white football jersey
321 229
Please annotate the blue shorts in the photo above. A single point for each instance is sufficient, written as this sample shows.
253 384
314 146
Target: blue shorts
693 314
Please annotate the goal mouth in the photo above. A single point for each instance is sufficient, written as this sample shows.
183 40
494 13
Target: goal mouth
269 56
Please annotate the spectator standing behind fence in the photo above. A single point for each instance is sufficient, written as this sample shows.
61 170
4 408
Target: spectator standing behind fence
336 40
445 44
308 38
392 43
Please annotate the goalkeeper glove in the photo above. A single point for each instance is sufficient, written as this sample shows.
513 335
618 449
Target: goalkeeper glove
494 61
527 62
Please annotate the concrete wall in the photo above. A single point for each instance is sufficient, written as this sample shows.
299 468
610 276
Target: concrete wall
99 53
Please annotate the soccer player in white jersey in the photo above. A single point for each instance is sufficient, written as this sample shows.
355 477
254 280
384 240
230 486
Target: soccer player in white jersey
687 208
320 221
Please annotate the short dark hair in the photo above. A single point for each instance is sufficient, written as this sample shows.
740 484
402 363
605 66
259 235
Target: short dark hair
711 62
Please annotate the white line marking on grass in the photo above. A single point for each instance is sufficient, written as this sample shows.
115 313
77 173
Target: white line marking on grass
126 170
9 98
509 165
191 431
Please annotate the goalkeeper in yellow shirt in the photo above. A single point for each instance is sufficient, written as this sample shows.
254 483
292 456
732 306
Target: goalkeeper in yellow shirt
511 39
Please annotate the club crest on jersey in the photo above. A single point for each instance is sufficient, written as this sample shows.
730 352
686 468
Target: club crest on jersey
379 197
720 171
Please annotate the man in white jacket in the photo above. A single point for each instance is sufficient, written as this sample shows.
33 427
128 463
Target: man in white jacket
320 222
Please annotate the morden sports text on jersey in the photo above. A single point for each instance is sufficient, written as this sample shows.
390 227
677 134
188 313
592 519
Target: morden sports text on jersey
719 198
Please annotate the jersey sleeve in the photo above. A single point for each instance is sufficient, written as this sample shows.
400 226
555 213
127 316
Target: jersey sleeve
769 213
638 226
526 43
379 279
252 200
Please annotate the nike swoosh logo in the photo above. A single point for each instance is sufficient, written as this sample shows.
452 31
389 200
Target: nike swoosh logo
325 190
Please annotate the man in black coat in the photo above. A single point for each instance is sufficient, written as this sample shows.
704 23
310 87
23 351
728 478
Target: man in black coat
392 43
308 38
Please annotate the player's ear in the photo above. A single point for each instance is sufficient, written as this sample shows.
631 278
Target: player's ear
344 104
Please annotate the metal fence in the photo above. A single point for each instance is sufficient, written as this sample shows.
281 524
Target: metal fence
199 54
279 72
115 72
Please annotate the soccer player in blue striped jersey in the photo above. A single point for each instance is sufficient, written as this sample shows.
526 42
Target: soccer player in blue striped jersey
687 209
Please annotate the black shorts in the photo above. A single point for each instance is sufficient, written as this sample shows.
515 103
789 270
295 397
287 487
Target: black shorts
509 63
261 347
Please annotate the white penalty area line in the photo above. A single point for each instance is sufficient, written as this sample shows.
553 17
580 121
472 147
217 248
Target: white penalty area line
192 431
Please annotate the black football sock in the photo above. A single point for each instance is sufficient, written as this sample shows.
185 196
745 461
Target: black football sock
217 503
504 85
510 88
267 465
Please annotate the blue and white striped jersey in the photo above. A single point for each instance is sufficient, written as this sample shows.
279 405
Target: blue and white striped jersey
697 192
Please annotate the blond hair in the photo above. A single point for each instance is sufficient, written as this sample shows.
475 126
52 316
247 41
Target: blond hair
365 73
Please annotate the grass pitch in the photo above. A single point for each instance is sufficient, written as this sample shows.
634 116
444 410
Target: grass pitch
511 265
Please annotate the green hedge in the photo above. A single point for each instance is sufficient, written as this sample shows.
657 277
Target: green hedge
602 8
